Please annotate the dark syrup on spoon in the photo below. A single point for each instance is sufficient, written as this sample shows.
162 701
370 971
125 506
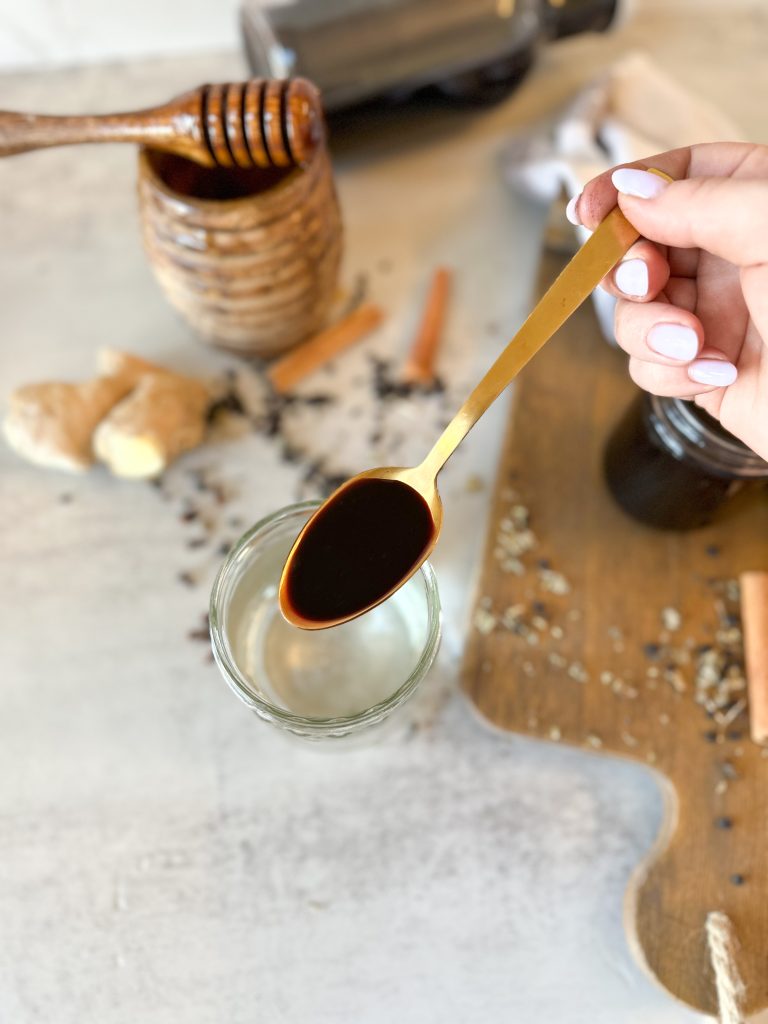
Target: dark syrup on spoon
357 549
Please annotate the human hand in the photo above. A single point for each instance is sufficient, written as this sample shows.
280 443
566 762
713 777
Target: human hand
692 310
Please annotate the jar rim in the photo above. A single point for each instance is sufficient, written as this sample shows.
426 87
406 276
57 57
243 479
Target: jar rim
158 182
681 425
239 683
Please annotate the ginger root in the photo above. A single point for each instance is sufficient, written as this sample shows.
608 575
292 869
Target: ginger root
136 417
52 423
161 418
111 362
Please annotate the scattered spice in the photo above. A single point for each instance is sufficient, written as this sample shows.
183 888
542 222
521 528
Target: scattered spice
712 672
388 385
485 621
671 619
554 582
229 402
577 672
419 368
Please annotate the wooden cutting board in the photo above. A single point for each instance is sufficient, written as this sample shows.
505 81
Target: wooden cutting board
615 664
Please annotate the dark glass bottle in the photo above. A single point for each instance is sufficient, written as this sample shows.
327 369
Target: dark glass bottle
671 465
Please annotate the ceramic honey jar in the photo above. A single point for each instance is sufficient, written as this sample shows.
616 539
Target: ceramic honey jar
249 257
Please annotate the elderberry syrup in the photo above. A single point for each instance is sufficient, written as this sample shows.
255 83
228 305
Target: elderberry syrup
672 466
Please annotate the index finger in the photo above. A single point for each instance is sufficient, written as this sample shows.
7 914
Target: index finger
600 196
707 159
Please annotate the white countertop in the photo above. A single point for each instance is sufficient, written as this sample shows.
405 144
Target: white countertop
164 856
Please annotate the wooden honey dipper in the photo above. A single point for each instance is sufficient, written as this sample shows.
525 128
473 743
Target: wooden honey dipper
259 123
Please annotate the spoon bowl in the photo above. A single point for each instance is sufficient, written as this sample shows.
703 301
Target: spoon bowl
362 544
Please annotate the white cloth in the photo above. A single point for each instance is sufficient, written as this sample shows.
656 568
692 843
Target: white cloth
632 110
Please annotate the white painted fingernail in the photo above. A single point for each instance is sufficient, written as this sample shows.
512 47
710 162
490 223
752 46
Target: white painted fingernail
716 372
633 182
570 211
631 277
674 341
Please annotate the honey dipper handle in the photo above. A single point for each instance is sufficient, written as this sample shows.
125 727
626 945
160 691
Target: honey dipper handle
168 127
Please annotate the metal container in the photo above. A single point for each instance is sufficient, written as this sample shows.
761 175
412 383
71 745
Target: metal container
356 50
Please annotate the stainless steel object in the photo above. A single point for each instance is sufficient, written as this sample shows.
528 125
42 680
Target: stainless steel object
356 50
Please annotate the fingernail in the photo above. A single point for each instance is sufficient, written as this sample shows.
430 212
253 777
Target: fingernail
570 211
631 277
674 341
633 182
716 372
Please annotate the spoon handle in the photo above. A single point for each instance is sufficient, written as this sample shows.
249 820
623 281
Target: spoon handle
599 254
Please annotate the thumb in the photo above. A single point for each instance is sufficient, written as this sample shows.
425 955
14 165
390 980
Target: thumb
728 218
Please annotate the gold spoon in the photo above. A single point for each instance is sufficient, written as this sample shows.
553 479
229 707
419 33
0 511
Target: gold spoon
373 532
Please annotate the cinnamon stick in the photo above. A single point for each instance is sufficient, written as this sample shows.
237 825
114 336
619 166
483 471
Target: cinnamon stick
286 372
420 365
754 616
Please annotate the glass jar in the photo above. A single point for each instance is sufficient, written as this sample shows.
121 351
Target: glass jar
317 684
671 465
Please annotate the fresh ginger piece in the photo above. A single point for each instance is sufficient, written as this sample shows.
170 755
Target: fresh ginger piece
52 423
114 363
161 418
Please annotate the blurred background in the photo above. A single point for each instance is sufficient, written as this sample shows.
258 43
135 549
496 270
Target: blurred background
49 33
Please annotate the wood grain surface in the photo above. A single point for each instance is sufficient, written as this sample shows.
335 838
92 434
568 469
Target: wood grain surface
595 631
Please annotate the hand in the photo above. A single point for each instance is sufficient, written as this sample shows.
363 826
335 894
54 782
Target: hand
692 310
